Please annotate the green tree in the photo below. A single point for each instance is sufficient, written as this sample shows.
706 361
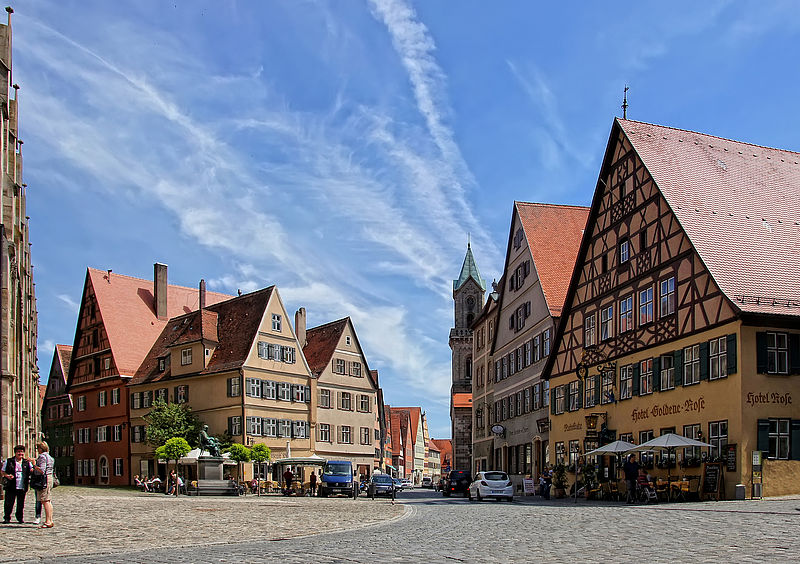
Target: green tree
173 449
225 441
168 420
240 454
260 453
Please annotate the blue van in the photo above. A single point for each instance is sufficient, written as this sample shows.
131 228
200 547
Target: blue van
337 478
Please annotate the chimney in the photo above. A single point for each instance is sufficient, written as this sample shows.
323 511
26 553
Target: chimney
300 326
202 293
160 290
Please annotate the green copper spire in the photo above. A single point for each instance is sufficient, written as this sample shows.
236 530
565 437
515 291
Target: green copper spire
469 270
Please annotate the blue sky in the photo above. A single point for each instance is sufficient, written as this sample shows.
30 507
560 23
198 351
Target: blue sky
343 150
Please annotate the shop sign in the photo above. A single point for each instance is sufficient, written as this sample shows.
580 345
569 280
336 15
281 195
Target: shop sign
729 455
528 486
573 426
665 409
774 398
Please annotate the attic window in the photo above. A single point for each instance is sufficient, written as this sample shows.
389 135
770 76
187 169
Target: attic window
186 357
347 340
162 364
276 322
624 251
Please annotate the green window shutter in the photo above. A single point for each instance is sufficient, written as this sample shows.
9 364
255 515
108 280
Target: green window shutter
794 353
730 347
635 383
763 435
230 425
580 394
678 367
794 438
230 394
704 361
132 394
761 353
597 389
553 401
657 374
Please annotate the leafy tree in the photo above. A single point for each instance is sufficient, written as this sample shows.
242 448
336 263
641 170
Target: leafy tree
174 449
168 420
225 441
260 453
240 453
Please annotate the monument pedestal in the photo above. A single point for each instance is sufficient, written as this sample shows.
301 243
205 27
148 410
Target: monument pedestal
209 478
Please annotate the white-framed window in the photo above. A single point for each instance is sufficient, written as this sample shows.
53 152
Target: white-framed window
285 428
645 306
324 398
718 358
574 447
118 467
626 382
107 363
717 436
263 350
147 399
234 387
235 425
607 386
537 348
365 436
345 401
81 403
340 366
537 396
589 331
606 323
692 432
92 467
162 394
117 433
546 342
574 396
363 403
276 322
102 398
528 352
559 400
667 297
347 340
646 458
590 393
79 470
355 369
186 357
527 400
138 434
182 394
512 362
284 391
162 364
504 361
646 377
299 393
115 396
691 365
667 372
325 432
269 427
103 467
779 439
254 426
269 389
624 251
345 434
300 429
626 314
777 353
560 452
546 393
288 354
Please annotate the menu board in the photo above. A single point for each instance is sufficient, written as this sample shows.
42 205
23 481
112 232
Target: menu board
712 479
729 455
528 486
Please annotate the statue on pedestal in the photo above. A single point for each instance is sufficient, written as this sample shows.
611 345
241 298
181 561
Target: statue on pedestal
209 443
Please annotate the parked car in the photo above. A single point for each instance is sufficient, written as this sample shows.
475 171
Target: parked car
398 484
337 478
493 484
427 483
457 481
381 484
407 483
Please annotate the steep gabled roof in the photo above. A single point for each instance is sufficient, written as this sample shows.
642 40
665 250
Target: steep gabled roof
554 236
237 323
321 342
64 356
738 203
469 270
445 447
125 305
414 415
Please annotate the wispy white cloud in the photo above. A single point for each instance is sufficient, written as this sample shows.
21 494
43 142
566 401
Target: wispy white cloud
46 349
71 304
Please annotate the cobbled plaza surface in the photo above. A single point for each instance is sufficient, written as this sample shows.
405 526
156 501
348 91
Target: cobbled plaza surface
122 526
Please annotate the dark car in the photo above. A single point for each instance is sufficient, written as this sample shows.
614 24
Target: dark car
457 481
381 484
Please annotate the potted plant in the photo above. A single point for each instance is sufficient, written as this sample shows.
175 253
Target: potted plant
559 480
590 479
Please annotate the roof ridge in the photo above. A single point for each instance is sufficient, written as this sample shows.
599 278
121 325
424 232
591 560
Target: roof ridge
324 325
148 280
550 205
709 135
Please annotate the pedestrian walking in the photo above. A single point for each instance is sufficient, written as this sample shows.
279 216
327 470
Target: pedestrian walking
631 469
313 482
17 473
45 466
287 481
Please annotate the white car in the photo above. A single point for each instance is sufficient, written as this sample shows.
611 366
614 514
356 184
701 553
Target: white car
407 483
494 484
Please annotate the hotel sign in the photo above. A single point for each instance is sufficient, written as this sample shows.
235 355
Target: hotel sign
775 398
665 409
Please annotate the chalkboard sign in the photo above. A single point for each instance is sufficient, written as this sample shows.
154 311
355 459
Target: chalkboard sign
730 457
712 480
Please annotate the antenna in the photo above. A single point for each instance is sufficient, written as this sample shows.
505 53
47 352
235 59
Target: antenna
625 103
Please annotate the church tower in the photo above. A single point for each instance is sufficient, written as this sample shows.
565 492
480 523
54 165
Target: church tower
468 293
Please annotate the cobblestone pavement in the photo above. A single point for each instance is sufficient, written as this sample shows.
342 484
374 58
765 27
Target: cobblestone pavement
436 529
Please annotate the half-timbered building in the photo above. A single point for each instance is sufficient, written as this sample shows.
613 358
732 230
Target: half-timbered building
683 311
57 415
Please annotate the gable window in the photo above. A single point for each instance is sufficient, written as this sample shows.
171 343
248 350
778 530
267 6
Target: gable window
646 377
606 323
107 363
546 342
276 322
325 432
288 354
590 394
347 340
691 365
667 297
626 382
646 306
624 251
339 366
115 396
363 402
284 391
668 372
355 369
777 353
324 398
518 236
626 314
718 358
186 357
779 438
162 364
589 331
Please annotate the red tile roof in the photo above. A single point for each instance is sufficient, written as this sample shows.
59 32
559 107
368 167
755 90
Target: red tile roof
445 446
414 414
432 446
554 235
126 308
238 320
462 400
64 354
738 203
321 341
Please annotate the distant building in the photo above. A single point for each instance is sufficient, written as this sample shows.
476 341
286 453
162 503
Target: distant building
468 295
418 426
445 447
19 373
57 415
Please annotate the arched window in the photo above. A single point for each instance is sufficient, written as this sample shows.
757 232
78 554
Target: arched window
103 468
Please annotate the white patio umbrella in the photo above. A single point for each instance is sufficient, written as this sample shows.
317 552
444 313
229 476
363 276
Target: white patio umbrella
616 448
669 442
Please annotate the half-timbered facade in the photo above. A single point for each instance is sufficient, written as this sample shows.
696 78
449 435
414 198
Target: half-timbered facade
57 414
685 282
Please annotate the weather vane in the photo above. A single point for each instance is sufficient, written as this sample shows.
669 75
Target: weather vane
625 103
